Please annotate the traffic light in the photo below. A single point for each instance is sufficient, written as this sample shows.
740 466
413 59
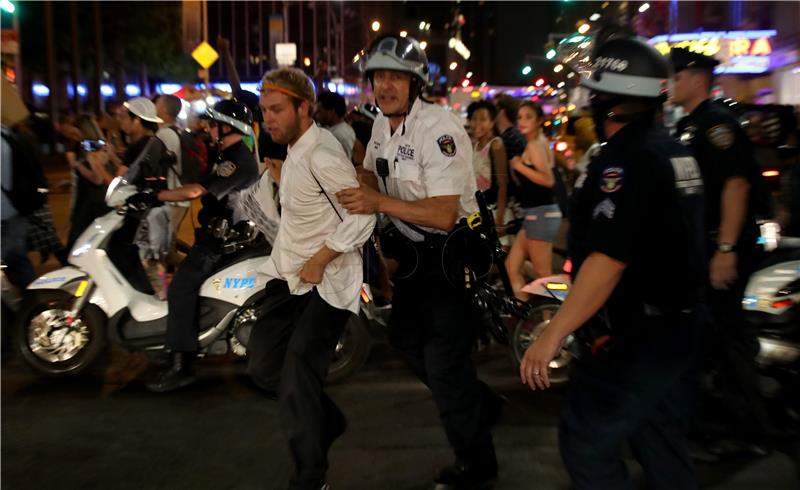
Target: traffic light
7 6
551 53
527 69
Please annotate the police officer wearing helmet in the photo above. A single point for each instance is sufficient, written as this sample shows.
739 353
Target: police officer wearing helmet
733 198
236 170
422 158
637 243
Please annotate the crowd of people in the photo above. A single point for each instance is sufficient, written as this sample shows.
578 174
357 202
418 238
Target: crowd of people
660 235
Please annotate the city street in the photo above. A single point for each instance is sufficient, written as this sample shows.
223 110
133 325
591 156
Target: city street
109 432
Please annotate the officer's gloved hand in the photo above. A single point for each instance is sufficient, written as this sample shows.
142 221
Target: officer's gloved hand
143 200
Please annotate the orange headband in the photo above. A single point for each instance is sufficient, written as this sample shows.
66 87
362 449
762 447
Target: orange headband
277 88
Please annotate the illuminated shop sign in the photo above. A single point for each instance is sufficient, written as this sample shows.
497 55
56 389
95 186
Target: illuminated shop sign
737 51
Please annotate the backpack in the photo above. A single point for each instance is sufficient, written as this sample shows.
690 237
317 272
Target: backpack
28 190
194 157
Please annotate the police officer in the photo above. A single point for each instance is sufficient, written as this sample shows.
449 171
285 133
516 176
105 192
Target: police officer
236 170
637 244
422 158
730 174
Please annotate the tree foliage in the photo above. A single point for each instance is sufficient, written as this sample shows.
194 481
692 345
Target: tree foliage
133 34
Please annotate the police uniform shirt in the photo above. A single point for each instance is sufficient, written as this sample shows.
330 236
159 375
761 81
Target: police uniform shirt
721 148
308 220
429 155
236 171
641 203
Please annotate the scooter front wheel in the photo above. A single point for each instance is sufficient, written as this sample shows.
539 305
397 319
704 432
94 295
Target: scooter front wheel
53 343
527 330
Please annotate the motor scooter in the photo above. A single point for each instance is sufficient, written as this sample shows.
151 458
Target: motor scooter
68 316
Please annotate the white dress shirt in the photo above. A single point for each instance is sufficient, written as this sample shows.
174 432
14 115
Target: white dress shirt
429 155
308 220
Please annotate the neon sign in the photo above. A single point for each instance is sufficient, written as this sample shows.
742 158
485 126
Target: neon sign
737 51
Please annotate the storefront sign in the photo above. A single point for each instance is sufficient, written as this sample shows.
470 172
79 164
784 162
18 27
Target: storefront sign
737 51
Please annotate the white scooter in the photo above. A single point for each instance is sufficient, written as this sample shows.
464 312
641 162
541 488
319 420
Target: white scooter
69 314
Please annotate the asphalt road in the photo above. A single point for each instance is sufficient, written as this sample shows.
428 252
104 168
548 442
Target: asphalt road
106 431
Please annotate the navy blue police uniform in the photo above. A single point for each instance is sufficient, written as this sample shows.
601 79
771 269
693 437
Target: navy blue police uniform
236 170
714 134
640 203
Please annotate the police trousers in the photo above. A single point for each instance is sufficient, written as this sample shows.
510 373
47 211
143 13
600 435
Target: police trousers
732 345
640 392
432 326
184 293
289 351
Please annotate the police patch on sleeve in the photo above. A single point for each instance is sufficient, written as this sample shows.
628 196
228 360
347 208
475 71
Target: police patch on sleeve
721 136
611 180
226 168
447 145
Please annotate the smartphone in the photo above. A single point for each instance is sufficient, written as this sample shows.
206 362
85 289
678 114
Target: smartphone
92 145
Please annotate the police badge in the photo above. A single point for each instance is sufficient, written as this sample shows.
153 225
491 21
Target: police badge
226 168
721 136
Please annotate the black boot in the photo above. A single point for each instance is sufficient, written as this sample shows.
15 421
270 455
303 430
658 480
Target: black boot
460 476
177 375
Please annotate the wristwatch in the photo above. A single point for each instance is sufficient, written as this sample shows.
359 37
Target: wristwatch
725 247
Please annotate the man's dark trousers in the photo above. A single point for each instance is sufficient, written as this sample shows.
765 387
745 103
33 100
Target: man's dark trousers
289 352
433 327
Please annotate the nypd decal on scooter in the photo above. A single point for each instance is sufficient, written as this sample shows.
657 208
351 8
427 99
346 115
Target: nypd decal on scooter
239 283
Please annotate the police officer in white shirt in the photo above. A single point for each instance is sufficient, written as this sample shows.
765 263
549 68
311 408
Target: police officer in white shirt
422 158
316 275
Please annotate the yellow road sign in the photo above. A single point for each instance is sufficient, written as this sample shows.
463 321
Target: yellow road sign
205 54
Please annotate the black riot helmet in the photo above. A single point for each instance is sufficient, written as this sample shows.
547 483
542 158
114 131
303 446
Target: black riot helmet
234 114
404 54
628 73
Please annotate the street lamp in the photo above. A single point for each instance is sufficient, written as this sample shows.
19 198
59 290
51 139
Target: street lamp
584 28
376 26
526 70
403 33
644 8
595 17
453 65
550 54
307 61
558 68
423 45
469 74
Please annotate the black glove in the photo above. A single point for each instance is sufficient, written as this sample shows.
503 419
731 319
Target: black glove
143 200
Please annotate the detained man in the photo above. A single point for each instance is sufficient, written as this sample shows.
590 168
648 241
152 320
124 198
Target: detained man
316 275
